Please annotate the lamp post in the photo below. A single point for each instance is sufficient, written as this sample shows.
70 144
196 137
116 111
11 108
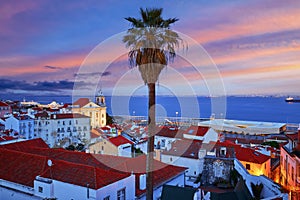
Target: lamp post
176 118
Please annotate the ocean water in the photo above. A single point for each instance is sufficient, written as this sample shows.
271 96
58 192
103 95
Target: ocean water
271 109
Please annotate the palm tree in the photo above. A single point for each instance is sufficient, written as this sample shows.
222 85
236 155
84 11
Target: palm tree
152 45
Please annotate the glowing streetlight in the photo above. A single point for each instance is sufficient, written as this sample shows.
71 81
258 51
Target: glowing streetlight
176 118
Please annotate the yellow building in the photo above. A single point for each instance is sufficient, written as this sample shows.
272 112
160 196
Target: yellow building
116 146
96 111
256 163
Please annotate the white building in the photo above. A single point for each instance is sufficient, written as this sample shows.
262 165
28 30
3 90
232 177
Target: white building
165 136
56 129
186 153
245 127
31 176
23 124
38 172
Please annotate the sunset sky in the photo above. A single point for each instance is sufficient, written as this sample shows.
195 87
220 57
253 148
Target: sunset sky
254 44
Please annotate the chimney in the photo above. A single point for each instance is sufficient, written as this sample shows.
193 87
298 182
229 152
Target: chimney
142 181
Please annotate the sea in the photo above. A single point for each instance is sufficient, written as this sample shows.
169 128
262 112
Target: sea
257 108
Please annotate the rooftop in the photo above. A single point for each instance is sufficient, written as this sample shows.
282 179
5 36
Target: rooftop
21 162
238 126
3 104
197 130
67 116
81 102
171 132
119 140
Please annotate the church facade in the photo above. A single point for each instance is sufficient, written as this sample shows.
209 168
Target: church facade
95 110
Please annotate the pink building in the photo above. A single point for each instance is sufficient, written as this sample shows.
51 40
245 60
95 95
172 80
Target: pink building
4 109
290 165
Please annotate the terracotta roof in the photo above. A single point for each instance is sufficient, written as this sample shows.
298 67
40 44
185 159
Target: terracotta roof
119 140
69 156
30 159
68 116
105 128
293 137
197 130
185 148
43 114
2 104
81 102
19 167
6 138
171 132
23 168
162 172
82 175
22 146
250 155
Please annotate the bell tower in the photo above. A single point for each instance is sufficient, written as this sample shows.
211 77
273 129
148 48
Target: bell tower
100 99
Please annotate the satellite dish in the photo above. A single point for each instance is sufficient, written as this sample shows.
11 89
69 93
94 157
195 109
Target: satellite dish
49 162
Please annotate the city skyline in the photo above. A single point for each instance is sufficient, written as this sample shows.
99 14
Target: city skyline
254 44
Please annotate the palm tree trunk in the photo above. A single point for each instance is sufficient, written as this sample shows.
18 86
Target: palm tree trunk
151 133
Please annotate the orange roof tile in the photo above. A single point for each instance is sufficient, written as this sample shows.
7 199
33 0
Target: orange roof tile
119 140
197 130
81 102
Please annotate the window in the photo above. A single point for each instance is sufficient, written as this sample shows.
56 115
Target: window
40 189
223 151
248 166
121 194
171 159
293 173
70 122
63 122
106 198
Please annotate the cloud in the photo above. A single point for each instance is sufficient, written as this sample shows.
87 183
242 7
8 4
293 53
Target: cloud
54 86
92 74
52 67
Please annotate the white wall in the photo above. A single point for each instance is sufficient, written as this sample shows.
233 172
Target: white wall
177 181
195 166
25 128
124 150
111 190
8 194
168 142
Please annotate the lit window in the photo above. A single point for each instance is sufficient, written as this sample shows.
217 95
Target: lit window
121 194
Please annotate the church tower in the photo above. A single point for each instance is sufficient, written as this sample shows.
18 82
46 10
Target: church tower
100 99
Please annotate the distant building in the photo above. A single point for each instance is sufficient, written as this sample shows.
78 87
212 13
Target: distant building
22 124
245 127
62 128
4 109
96 111
290 165
165 136
117 146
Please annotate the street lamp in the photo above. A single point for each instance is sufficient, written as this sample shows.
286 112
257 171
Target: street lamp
176 118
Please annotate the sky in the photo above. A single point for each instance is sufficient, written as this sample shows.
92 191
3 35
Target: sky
246 47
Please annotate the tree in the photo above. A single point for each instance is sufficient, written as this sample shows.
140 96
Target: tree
256 189
109 119
152 45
